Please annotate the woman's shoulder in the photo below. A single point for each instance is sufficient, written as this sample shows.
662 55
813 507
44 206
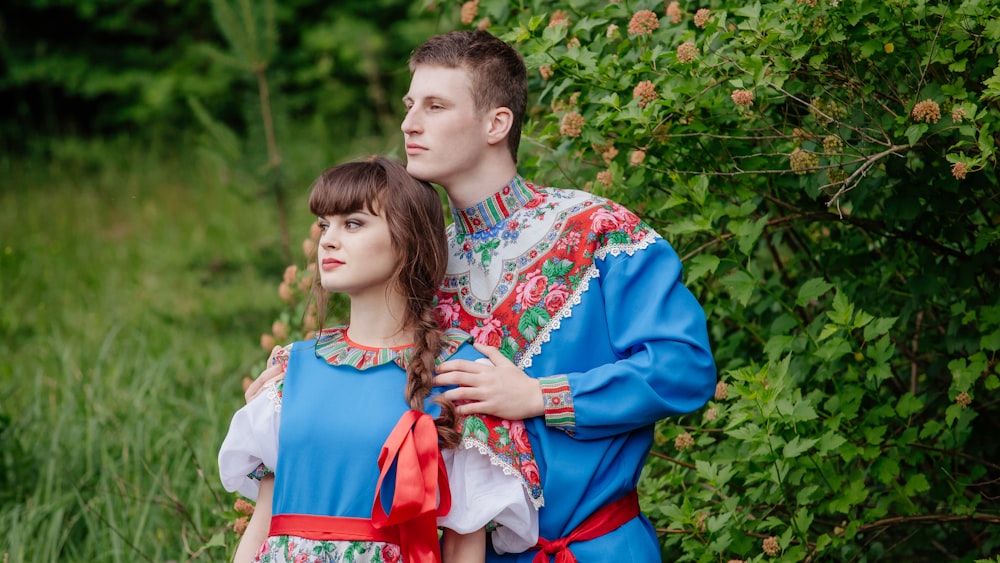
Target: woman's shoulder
457 344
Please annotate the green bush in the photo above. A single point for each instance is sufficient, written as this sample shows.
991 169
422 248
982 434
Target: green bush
827 172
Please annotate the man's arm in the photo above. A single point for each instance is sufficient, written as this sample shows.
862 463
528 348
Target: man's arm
657 331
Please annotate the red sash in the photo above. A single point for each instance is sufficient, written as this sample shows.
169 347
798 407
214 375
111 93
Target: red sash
607 519
412 447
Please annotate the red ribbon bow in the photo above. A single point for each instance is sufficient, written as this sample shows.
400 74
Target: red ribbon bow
412 447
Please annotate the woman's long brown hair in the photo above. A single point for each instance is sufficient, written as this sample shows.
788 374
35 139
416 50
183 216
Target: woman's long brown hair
415 215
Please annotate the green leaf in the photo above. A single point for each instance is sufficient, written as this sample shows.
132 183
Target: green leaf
861 319
952 413
803 520
217 540
992 382
886 469
797 446
875 434
777 345
915 484
870 47
915 132
991 29
990 341
880 372
747 233
843 311
806 494
740 286
830 442
803 411
828 331
908 405
799 51
812 290
701 265
879 327
749 11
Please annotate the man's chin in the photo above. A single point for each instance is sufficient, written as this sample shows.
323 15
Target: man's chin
417 171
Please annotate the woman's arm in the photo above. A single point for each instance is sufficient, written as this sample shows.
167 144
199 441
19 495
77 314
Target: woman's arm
260 523
464 548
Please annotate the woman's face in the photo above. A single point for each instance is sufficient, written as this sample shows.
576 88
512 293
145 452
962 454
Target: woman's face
355 254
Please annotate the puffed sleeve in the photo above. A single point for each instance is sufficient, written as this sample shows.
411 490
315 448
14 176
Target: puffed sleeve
494 480
252 441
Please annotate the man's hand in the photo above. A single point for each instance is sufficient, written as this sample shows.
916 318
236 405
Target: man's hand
276 371
501 389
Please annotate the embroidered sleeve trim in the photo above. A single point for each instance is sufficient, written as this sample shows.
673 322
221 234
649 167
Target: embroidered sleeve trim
259 473
558 399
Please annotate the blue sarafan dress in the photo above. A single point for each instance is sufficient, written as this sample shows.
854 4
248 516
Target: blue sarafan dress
322 430
582 295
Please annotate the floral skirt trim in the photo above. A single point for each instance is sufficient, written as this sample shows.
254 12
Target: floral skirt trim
293 549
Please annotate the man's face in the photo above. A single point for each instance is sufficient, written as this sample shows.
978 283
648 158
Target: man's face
444 134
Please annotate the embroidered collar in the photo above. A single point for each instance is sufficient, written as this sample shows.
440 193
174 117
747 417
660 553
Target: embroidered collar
490 212
333 345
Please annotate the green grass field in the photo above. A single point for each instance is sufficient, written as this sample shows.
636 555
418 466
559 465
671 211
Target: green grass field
133 290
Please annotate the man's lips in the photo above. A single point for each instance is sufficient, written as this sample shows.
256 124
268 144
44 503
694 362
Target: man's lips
413 148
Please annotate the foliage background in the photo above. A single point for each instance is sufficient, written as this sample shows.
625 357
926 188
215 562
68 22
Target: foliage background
826 170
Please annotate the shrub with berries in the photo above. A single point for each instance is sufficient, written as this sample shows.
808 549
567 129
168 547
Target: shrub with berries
825 171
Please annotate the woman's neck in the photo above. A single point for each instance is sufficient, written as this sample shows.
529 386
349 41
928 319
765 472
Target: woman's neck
378 322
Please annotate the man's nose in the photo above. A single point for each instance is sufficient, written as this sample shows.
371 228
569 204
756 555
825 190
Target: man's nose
410 122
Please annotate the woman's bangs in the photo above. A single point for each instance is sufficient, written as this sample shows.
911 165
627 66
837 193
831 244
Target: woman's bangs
346 189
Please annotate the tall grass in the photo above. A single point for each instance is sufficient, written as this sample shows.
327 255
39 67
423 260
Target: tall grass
133 286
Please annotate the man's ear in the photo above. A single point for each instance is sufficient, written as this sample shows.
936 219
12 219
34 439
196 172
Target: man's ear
500 121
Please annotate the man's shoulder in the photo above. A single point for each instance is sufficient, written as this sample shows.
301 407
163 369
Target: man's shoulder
596 214
579 197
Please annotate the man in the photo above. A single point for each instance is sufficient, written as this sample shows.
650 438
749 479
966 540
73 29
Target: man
593 336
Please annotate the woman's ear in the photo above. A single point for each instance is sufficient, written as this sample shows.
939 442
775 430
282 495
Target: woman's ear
501 119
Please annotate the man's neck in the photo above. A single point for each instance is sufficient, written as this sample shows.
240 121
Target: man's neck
473 188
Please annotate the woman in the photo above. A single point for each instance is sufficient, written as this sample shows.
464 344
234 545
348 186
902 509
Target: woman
342 455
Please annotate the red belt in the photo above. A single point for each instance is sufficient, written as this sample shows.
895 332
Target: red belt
607 519
411 523
330 528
